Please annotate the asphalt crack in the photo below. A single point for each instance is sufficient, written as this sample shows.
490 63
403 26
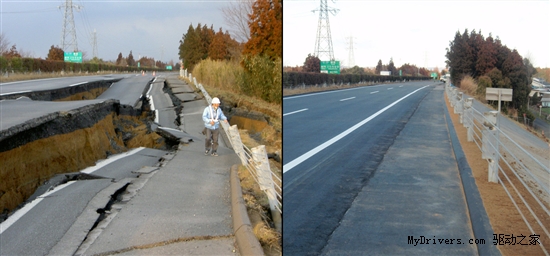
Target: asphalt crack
164 243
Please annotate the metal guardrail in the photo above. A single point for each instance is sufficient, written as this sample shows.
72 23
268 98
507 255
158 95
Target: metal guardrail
498 147
255 160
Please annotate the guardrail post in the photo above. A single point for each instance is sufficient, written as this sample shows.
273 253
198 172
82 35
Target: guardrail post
468 118
265 181
460 107
235 138
458 100
489 147
453 97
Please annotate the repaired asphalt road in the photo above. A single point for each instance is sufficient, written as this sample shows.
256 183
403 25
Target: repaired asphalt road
385 175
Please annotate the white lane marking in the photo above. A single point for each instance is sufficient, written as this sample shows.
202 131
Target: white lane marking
347 99
149 91
8 93
390 88
287 167
172 129
21 212
77 84
374 92
400 86
157 116
152 102
319 93
109 160
294 112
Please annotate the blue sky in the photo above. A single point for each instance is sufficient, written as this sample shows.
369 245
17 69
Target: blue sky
147 28
415 32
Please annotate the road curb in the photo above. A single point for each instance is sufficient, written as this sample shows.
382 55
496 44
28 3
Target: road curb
242 229
478 215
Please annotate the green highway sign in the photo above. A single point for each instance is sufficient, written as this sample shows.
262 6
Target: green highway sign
331 67
169 67
72 57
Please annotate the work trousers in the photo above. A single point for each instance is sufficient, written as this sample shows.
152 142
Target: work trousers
212 139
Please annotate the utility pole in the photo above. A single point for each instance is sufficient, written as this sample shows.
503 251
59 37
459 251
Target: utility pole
323 42
68 35
162 53
95 44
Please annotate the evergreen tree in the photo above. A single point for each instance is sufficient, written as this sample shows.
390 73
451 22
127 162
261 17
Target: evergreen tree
218 48
392 68
378 67
130 60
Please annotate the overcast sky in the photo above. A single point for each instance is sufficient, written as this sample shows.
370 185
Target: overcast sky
143 27
415 32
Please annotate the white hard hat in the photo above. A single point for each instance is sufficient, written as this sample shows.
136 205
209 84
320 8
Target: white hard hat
215 100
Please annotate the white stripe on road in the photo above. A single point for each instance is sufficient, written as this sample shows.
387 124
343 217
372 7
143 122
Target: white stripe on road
21 212
294 112
157 116
401 86
374 92
8 93
390 88
347 99
287 167
77 84
109 160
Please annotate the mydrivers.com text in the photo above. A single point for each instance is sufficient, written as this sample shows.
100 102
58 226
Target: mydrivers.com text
435 240
498 239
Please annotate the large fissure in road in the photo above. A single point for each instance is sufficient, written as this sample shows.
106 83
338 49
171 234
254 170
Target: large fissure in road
65 142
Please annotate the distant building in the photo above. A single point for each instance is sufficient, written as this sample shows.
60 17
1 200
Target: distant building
539 83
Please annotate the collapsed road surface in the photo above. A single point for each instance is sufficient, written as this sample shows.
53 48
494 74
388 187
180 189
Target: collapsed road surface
41 224
39 139
183 204
53 88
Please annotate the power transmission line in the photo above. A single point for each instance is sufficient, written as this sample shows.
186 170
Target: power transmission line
94 47
68 35
323 42
351 54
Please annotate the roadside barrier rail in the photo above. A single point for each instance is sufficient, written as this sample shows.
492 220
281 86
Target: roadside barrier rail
255 160
500 151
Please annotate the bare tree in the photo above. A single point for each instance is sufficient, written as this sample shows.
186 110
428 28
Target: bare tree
236 16
4 44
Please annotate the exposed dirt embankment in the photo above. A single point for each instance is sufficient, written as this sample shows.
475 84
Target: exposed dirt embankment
67 143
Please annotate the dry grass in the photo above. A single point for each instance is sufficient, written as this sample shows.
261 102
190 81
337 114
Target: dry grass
219 74
257 206
468 85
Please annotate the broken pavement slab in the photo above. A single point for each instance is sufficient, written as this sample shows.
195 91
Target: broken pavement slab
186 96
175 135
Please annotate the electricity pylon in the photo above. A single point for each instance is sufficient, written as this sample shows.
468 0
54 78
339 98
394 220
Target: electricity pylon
323 42
68 35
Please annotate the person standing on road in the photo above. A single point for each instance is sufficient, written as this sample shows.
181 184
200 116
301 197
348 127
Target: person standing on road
212 115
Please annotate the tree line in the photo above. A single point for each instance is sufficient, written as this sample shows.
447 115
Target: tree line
259 57
490 64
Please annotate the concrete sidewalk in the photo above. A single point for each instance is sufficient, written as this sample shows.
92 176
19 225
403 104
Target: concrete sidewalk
184 208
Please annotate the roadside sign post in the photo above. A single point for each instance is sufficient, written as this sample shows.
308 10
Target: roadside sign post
500 94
